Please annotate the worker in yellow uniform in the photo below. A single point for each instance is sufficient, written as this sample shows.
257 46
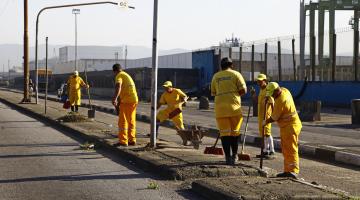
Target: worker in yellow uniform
174 99
228 86
125 101
265 107
287 118
74 84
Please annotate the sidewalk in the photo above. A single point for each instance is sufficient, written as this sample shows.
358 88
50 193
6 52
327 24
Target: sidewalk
170 160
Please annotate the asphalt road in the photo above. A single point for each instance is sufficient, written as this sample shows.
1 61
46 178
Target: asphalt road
39 162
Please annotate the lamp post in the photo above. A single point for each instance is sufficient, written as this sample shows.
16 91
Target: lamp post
26 55
37 33
154 77
76 12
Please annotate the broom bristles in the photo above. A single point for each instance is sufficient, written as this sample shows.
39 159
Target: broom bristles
243 156
214 150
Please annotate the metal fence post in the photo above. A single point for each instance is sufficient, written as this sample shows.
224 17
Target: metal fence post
279 60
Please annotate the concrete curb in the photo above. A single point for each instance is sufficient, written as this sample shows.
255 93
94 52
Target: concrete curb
209 192
324 153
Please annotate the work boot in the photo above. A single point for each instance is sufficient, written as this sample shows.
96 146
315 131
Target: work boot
118 144
265 155
229 160
234 159
272 154
132 143
287 175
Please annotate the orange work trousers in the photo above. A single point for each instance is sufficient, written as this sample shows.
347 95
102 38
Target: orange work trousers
127 123
289 146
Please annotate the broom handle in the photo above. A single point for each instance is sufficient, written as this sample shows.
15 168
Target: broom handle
246 128
88 89
217 139
263 139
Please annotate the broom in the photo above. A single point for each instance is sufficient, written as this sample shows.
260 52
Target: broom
214 150
263 140
242 155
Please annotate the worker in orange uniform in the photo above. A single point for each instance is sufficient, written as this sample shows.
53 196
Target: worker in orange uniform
228 86
125 101
265 107
74 84
174 99
285 115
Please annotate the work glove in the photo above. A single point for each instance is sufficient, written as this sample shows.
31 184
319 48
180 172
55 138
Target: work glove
264 122
252 91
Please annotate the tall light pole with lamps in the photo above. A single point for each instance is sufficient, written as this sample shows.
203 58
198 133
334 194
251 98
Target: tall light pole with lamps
76 12
37 32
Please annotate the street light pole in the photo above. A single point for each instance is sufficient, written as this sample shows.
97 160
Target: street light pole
154 77
26 98
37 32
76 12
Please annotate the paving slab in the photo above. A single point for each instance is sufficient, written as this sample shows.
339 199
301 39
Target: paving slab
246 187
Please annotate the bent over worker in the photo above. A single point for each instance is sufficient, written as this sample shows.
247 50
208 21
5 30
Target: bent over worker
125 101
265 107
287 118
74 84
174 99
228 86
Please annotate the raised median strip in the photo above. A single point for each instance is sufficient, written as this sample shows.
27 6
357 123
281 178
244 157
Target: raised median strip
169 160
317 151
320 152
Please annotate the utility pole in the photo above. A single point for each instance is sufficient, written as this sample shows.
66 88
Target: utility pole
26 54
116 57
154 77
76 12
8 68
125 56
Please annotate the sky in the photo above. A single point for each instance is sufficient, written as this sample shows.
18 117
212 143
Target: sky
187 24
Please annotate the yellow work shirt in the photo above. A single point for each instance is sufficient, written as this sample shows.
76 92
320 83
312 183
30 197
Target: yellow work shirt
172 99
128 92
225 86
261 109
74 84
284 110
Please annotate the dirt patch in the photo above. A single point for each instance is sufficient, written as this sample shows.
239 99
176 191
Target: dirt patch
250 187
74 117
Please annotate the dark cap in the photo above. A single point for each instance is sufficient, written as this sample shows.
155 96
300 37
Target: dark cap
226 62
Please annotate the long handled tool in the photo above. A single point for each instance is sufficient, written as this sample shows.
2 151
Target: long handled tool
242 155
177 110
214 150
263 139
91 111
